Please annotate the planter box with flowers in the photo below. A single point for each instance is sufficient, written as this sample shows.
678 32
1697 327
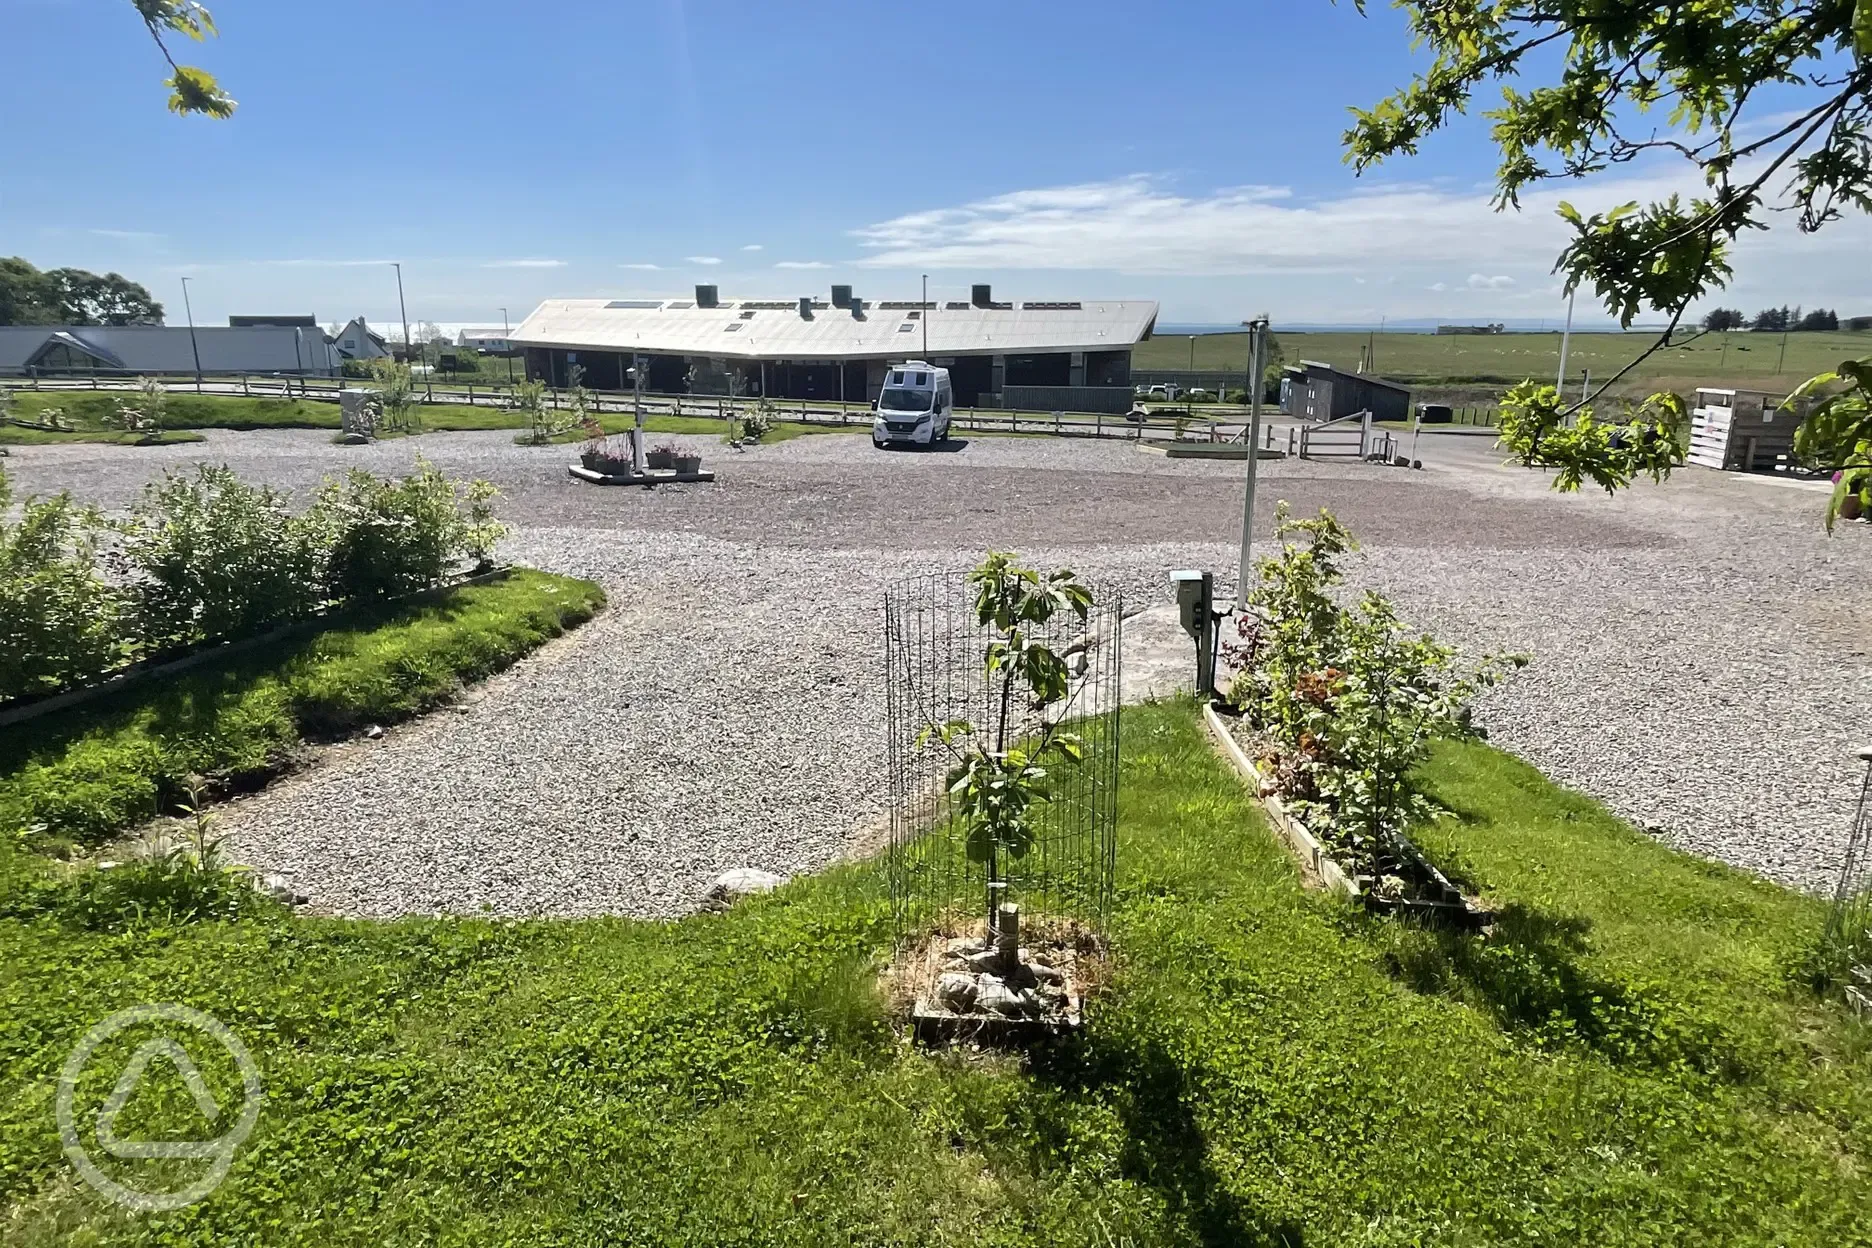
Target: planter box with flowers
609 461
1330 713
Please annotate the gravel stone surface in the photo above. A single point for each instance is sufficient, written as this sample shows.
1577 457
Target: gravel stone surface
1698 661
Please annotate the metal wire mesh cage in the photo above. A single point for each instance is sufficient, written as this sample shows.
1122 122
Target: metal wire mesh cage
1849 921
935 675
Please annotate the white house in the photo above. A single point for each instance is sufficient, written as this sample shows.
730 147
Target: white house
356 341
484 340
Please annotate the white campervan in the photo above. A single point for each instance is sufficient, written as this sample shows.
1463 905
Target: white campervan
915 407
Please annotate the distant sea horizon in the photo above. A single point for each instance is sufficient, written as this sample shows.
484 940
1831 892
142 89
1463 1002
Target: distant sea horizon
1415 326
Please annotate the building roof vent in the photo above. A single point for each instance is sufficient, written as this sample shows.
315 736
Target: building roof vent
841 296
857 308
805 307
981 294
706 296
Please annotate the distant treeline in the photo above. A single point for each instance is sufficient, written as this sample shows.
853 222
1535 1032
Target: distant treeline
1783 318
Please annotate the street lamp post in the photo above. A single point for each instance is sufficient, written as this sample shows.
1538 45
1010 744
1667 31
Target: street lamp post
402 308
507 341
1566 338
194 346
1257 352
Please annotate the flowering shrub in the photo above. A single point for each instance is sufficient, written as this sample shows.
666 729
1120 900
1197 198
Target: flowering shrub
208 559
1345 699
394 536
60 620
211 557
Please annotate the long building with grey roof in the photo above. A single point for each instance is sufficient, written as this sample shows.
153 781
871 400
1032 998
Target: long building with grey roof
999 353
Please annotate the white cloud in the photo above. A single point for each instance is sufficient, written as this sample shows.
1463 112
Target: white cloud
1142 226
703 259
129 236
648 268
1438 287
802 264
524 264
752 247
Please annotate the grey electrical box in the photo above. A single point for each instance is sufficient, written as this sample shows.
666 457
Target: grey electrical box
1195 593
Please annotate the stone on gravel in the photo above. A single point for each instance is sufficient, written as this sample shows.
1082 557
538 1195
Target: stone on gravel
730 886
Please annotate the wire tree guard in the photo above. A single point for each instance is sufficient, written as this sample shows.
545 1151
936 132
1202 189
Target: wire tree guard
1849 922
934 649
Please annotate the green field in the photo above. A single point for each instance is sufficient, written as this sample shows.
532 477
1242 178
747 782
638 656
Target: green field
94 412
1627 1059
1489 361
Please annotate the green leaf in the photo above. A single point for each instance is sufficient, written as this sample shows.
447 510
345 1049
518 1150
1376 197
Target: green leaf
1862 30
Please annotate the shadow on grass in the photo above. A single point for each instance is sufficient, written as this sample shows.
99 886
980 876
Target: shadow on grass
1165 1147
1532 975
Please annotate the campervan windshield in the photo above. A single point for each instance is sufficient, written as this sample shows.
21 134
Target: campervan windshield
906 400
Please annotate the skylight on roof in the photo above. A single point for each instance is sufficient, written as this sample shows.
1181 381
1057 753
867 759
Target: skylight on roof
635 304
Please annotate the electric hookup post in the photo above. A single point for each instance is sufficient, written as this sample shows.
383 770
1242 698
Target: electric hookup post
1195 593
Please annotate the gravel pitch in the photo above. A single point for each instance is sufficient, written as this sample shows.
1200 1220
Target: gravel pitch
1698 664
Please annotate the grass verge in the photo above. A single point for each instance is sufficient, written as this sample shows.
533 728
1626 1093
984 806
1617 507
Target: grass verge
82 774
1269 1067
13 435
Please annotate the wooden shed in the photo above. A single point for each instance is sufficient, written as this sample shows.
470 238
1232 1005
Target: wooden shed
1742 430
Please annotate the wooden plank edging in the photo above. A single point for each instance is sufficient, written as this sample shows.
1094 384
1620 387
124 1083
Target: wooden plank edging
1316 864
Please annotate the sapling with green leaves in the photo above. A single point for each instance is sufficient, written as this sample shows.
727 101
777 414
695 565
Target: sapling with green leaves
148 413
1002 768
396 395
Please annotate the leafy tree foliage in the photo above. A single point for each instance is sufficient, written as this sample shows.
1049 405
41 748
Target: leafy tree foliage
1837 433
1601 71
1719 319
191 90
1819 319
1593 106
72 297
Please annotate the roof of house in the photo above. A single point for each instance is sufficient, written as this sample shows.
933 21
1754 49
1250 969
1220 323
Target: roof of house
363 325
171 348
1310 366
484 333
770 328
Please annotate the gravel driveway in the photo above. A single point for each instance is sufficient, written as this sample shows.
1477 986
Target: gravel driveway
1699 663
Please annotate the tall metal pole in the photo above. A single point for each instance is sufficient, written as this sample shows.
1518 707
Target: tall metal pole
1257 347
404 309
925 318
1566 336
193 345
507 339
638 464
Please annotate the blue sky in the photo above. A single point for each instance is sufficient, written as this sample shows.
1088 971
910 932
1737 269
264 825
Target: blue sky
507 153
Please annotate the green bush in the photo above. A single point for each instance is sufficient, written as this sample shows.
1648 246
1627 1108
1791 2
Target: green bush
60 620
215 558
392 537
1347 700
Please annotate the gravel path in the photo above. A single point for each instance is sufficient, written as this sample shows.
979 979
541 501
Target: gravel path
1698 664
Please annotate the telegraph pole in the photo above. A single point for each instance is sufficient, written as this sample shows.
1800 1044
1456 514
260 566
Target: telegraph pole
1566 336
403 308
196 347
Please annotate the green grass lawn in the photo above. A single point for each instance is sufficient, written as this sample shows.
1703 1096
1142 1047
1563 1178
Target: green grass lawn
1625 1062
93 412
83 774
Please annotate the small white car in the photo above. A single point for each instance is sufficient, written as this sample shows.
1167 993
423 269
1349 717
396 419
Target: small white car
915 407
